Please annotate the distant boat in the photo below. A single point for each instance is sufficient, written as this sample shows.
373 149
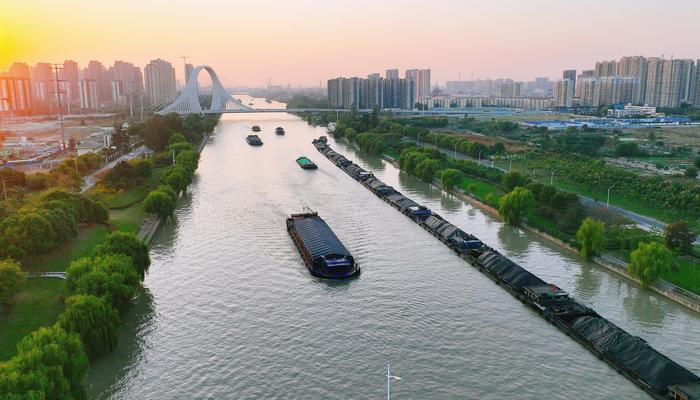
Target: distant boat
306 163
256 128
251 104
254 140
268 101
279 130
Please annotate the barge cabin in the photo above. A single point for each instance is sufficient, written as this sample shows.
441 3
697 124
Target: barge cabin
323 253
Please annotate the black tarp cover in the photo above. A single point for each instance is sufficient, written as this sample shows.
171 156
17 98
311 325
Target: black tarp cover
318 237
632 352
517 276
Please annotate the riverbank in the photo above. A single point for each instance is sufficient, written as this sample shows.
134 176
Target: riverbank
663 288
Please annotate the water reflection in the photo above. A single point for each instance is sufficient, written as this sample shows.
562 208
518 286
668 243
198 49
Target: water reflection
639 304
110 374
450 202
513 239
588 282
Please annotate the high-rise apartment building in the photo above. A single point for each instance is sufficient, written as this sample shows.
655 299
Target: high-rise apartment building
652 92
569 74
606 68
70 75
160 81
392 74
673 82
696 85
188 71
367 93
96 71
634 66
15 95
510 88
88 94
41 79
421 77
563 93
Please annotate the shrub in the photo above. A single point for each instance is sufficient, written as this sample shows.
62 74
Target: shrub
11 281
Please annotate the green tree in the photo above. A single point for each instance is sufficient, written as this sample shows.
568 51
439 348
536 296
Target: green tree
513 179
11 281
120 139
177 177
691 172
678 236
649 262
177 138
112 277
590 236
515 205
450 177
94 320
189 159
697 163
50 364
159 202
426 169
129 245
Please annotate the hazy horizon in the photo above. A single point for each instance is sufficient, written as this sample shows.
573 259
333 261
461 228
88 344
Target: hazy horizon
311 41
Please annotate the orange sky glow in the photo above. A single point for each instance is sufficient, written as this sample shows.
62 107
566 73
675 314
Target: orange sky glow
307 41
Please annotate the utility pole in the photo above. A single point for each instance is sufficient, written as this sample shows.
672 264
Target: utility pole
4 190
56 68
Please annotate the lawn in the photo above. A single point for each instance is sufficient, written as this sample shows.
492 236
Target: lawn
128 219
480 189
38 304
80 246
687 276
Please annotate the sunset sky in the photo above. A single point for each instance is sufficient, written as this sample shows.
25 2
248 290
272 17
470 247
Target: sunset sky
305 41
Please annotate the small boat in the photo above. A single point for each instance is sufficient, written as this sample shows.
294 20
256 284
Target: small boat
323 253
279 131
305 163
256 128
254 140
268 101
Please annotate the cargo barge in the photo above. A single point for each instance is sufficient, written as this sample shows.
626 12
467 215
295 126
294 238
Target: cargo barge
279 131
323 253
629 355
254 140
255 128
306 163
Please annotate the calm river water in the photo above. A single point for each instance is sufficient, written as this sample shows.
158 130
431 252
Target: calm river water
230 312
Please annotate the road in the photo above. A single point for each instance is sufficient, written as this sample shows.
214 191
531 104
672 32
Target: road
91 179
644 222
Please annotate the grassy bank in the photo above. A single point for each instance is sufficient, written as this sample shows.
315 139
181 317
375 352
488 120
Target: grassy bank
37 305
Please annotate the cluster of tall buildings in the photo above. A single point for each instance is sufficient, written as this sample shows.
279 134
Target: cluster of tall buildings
653 81
27 90
502 87
387 92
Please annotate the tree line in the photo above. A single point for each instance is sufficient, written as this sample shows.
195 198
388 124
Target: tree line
52 362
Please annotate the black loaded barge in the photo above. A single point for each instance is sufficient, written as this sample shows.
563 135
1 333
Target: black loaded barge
256 128
659 376
279 131
323 253
254 140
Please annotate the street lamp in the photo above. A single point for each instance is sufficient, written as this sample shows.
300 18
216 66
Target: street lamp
389 377
510 164
419 137
551 179
480 151
455 150
607 203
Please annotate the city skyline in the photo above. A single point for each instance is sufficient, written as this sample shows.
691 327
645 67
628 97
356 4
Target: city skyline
307 42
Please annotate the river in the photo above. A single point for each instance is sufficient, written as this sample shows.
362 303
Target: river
229 311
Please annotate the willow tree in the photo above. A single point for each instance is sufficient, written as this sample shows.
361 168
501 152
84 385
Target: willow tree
590 236
515 205
94 320
649 262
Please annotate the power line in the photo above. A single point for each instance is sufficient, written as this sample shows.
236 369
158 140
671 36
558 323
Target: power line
59 92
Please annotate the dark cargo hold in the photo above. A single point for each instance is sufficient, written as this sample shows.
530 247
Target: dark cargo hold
322 251
633 353
513 274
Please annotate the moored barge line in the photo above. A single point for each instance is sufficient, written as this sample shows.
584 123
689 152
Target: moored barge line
629 355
